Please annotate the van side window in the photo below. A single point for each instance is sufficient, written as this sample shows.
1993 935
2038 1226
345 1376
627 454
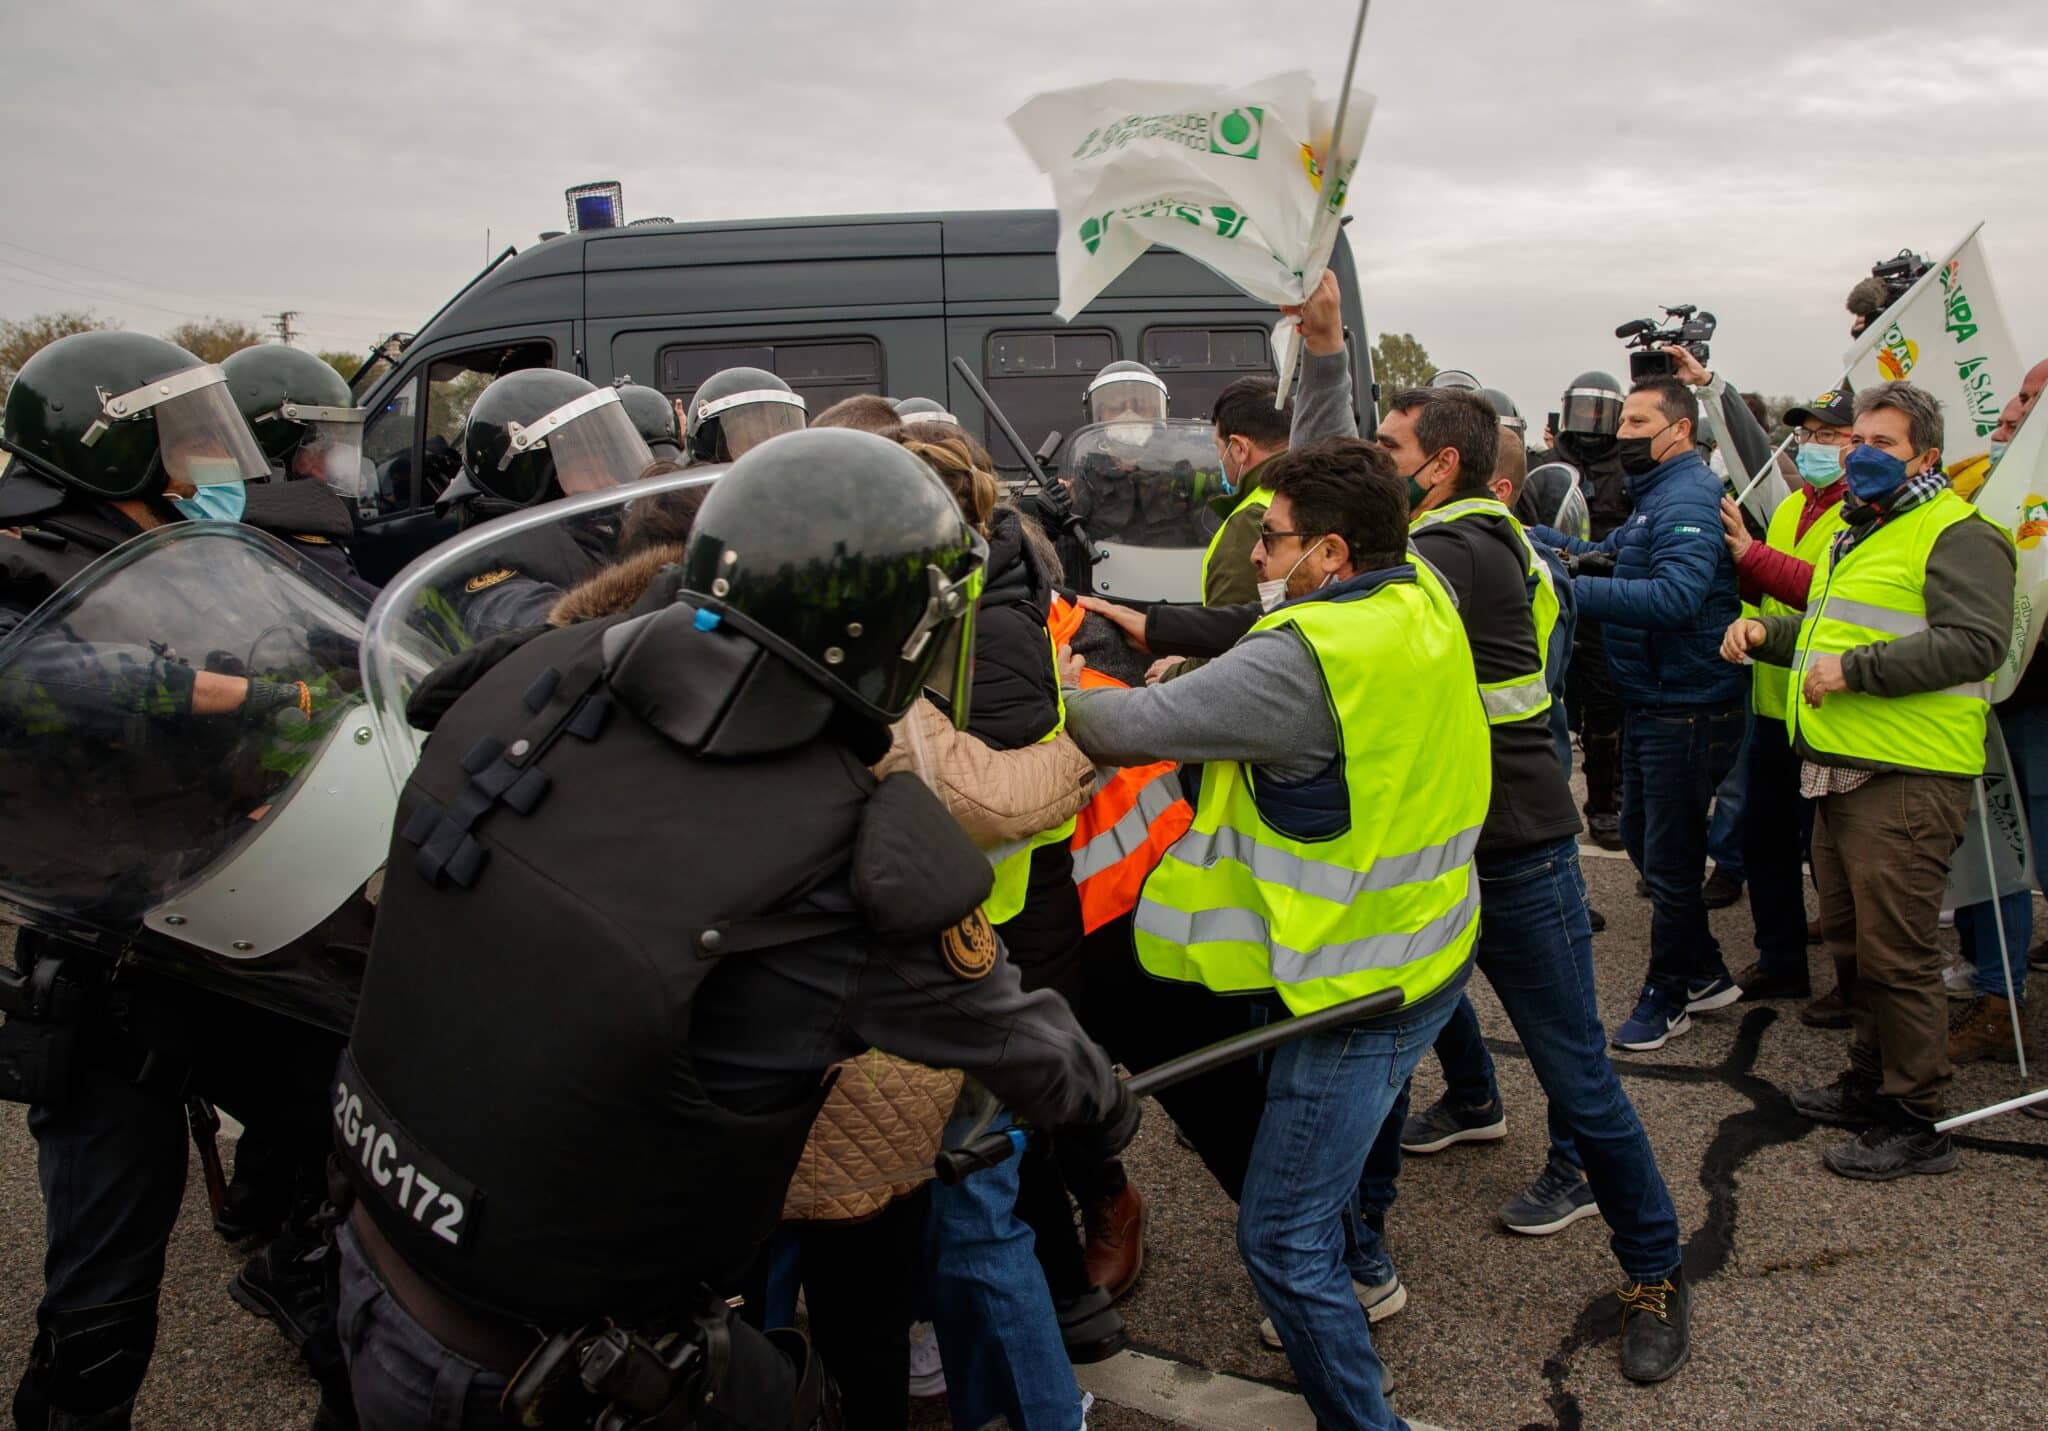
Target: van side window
453 385
1197 364
1039 378
387 446
822 371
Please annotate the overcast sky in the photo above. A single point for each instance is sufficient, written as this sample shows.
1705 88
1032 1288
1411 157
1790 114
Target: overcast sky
1536 172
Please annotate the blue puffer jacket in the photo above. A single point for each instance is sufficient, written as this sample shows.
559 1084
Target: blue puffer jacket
1672 595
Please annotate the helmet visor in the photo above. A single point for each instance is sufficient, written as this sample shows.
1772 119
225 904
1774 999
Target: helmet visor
1595 412
941 646
1558 500
332 450
1128 399
592 441
202 437
746 420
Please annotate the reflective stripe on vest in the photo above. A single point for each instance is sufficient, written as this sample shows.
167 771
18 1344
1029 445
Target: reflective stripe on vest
1518 697
1258 496
1769 685
1392 901
1012 861
1875 595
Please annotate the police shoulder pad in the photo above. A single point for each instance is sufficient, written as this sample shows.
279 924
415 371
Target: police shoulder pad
915 872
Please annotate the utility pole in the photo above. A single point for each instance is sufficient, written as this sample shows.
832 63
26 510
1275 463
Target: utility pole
283 322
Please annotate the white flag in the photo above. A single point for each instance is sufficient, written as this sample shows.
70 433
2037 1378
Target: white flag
1231 177
1977 874
2015 496
1946 335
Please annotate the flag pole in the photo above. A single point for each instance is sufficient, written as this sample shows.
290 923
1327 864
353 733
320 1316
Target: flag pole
2012 1003
1770 466
1332 169
1963 1120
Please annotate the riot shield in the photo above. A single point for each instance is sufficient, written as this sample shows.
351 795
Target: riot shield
1554 496
187 764
1144 493
501 576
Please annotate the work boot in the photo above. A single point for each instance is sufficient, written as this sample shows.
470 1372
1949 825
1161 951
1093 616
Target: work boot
1982 1030
259 1195
1756 984
1656 1328
1115 1227
1831 1011
1090 1326
1849 1102
1605 829
1595 919
1900 1146
286 1283
1721 889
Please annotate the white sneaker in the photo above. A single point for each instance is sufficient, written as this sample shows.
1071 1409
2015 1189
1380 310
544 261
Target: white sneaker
927 1372
1960 979
1380 1303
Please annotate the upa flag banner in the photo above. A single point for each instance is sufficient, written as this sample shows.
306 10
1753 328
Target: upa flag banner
1231 177
2015 496
1946 335
2006 866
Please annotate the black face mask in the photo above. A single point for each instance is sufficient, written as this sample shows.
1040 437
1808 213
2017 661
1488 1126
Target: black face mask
1634 452
1586 446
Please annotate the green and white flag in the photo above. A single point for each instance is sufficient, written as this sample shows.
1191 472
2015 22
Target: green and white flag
1232 177
2015 496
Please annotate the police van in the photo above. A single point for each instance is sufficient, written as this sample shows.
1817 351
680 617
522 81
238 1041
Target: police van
833 306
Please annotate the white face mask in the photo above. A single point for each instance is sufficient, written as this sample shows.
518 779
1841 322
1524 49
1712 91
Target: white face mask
1272 593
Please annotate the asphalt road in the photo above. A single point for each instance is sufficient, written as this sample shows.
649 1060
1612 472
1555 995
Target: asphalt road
1819 1302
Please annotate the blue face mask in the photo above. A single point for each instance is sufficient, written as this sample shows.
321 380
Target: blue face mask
1819 463
215 502
1998 450
1874 474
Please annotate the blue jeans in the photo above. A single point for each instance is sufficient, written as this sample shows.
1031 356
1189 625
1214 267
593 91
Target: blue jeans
1536 949
1724 834
999 1338
1774 839
1461 1049
2026 742
1673 758
1298 1228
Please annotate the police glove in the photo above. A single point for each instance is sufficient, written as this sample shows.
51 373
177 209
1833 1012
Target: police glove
1589 564
267 696
1089 1144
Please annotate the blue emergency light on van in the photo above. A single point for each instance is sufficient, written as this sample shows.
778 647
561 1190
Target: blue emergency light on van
597 206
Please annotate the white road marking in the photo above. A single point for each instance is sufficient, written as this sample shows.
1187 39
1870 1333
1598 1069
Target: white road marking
1197 1397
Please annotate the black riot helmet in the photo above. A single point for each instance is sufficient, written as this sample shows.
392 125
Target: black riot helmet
540 433
843 555
115 414
1591 407
1504 408
1456 378
923 409
738 409
654 418
1125 390
302 414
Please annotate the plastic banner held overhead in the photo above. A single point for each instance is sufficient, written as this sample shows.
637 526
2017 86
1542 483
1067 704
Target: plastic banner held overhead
1946 335
1232 177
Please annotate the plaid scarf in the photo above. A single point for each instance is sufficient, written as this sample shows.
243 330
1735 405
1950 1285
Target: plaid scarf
1863 518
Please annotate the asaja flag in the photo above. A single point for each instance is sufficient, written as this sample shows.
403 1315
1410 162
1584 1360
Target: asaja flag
2016 497
1231 177
1980 871
1948 336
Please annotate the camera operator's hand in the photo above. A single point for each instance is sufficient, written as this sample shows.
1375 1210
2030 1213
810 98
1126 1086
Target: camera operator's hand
1737 533
1321 317
1742 635
1688 368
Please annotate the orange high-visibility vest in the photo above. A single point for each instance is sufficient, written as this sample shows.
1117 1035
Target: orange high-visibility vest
1136 815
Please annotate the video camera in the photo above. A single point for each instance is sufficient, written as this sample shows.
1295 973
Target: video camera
1690 329
1899 273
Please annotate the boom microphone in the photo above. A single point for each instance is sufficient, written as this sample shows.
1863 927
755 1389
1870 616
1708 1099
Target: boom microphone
1633 327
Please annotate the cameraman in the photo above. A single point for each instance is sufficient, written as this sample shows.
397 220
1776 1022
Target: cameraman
1683 708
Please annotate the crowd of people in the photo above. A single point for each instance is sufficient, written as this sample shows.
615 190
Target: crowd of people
790 820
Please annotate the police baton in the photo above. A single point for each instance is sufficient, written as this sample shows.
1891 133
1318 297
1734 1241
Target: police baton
986 1151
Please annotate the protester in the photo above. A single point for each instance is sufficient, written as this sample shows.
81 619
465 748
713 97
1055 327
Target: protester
1343 737
1777 574
864 412
1914 615
1672 590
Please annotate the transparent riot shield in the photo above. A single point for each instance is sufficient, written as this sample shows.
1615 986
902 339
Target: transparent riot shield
188 765
502 576
1554 495
1148 495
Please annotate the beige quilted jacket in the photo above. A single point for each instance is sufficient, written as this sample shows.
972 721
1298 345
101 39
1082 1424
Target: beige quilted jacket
874 1139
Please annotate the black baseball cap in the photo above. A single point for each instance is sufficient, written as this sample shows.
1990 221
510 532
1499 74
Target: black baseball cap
1834 408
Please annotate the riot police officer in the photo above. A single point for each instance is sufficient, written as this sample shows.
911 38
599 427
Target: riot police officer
643 893
738 409
111 435
1125 391
923 409
654 418
309 427
534 436
1589 417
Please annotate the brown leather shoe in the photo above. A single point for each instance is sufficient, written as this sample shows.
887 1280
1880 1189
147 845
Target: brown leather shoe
1829 1011
1116 1240
1984 1031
